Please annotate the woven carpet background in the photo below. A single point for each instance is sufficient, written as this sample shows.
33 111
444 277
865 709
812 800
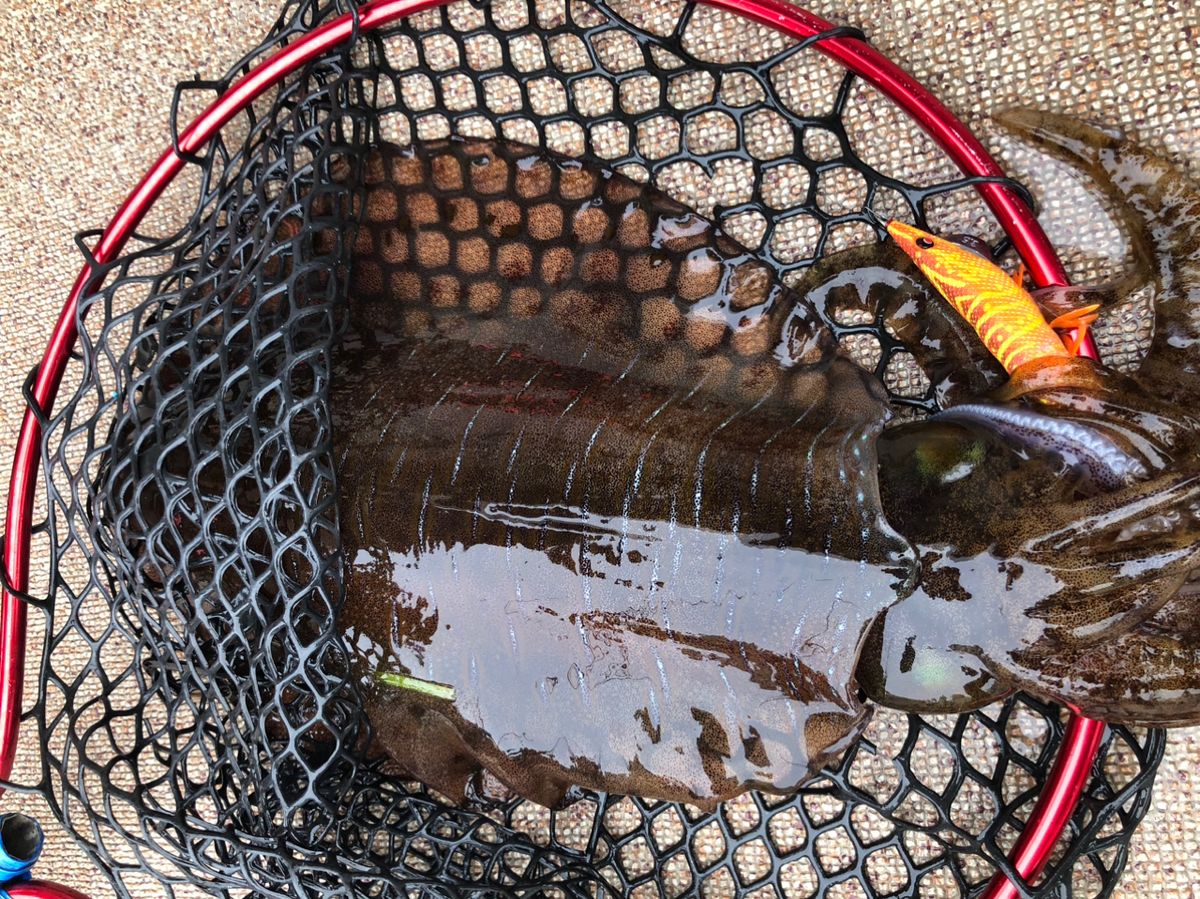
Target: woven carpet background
89 86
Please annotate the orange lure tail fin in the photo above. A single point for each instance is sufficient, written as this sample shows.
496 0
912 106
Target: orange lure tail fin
1074 325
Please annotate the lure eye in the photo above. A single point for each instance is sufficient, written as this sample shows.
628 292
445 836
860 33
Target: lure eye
924 243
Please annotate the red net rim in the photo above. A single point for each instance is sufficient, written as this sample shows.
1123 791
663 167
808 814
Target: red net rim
1082 739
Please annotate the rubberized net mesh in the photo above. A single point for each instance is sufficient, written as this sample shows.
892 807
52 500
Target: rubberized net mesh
198 728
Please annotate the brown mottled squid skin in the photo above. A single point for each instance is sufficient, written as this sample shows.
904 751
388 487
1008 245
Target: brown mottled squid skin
1160 206
603 476
1142 666
1151 674
959 641
618 488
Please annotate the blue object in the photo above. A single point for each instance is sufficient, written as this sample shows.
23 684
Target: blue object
21 841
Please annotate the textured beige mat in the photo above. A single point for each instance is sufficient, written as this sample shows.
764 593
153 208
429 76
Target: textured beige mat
88 89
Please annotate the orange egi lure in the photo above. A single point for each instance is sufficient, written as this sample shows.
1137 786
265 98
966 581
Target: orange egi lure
1000 310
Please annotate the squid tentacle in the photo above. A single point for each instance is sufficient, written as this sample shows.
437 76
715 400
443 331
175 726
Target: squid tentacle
1160 206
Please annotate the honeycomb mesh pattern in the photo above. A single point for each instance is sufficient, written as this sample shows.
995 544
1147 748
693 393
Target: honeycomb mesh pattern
211 741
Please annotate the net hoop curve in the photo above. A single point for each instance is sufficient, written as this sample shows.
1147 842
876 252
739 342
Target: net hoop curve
1083 736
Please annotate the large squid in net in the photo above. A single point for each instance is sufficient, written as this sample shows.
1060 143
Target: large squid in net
1141 665
617 512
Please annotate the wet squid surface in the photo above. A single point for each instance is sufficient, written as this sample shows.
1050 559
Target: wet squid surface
1123 647
617 512
606 480
625 517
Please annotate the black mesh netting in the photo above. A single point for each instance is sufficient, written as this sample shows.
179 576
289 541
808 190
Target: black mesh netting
194 728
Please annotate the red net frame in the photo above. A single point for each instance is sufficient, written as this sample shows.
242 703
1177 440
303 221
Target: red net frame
1073 765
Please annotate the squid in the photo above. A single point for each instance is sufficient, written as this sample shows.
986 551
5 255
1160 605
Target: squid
618 513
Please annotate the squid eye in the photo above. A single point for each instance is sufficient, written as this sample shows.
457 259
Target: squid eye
924 243
947 461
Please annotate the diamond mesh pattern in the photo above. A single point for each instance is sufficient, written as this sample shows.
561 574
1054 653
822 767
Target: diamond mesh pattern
211 741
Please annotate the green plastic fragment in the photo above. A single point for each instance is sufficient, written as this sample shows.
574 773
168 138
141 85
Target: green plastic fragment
408 682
